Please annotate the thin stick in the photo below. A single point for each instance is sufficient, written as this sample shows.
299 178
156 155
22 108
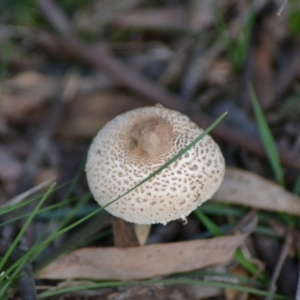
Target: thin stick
249 217
283 255
28 193
282 7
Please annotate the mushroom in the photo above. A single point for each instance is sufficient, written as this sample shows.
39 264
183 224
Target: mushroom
135 144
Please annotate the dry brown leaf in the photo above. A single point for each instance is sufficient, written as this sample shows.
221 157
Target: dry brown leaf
25 92
163 18
143 262
246 188
88 113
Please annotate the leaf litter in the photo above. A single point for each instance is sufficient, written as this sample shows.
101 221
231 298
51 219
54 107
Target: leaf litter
143 262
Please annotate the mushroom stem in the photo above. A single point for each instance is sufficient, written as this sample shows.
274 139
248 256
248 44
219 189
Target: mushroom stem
124 233
142 232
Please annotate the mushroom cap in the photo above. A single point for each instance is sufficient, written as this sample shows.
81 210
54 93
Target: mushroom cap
135 144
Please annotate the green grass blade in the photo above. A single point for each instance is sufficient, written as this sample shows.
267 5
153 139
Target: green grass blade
83 201
296 188
24 228
241 288
43 211
8 209
160 282
239 256
267 138
208 223
249 266
221 209
84 287
7 283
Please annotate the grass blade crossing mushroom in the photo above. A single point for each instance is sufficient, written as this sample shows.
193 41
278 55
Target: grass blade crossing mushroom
134 145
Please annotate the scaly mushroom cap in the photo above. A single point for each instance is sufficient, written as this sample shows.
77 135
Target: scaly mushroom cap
135 144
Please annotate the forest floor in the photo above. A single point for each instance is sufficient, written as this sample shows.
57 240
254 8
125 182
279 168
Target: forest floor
69 67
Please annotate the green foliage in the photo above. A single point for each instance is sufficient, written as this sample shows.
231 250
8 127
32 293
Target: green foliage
267 138
72 5
162 282
208 223
271 150
5 258
26 13
297 186
294 18
239 256
236 47
16 12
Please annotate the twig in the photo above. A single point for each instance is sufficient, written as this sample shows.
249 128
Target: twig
283 255
28 193
282 7
26 281
248 218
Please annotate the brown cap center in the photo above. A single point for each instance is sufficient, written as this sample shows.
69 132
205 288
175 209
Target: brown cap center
150 138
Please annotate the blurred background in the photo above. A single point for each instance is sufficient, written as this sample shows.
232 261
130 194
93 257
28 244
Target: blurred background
68 67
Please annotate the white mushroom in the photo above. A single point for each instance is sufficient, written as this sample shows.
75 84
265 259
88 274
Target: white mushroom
135 144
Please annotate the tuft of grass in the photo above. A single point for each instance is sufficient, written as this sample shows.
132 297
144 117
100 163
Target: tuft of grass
294 18
267 138
5 258
239 256
271 149
159 283
208 223
236 47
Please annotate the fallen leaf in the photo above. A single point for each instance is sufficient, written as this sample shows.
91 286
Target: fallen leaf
143 262
249 189
88 113
26 92
162 18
